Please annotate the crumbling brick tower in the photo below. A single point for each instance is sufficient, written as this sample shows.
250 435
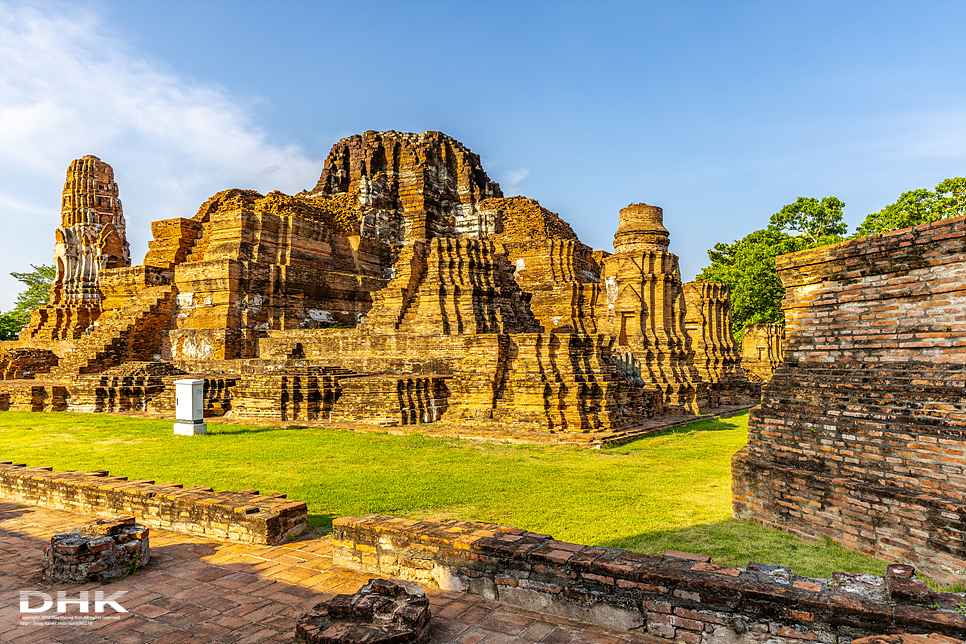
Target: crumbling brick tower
861 432
412 186
91 237
645 307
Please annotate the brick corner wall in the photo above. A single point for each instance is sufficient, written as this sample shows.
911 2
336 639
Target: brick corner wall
861 433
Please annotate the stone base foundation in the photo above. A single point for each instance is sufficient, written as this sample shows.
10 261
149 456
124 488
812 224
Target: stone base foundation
105 550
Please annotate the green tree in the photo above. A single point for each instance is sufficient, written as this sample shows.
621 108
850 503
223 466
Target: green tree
9 327
917 207
821 221
747 266
35 295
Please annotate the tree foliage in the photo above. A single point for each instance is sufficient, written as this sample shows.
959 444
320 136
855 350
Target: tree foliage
9 327
35 295
747 265
820 221
918 207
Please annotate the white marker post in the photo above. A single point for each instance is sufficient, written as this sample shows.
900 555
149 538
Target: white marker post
189 407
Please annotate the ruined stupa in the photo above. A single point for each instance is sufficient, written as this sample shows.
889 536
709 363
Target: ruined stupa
402 289
91 237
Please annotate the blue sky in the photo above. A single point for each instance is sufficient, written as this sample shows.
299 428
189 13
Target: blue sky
720 112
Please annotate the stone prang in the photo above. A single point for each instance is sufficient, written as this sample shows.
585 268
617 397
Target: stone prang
91 237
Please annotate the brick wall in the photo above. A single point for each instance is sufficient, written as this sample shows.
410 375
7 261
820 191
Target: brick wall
31 397
678 596
861 434
245 517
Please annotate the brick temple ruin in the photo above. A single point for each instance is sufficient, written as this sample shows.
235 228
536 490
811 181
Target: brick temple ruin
861 432
404 288
761 350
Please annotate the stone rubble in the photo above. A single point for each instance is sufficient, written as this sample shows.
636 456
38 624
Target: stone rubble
384 611
102 551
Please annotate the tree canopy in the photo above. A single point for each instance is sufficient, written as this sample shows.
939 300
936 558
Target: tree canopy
747 265
817 220
35 295
918 207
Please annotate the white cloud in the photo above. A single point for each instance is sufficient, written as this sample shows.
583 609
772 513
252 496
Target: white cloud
508 179
511 178
69 86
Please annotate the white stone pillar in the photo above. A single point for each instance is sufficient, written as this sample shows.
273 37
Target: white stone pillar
189 407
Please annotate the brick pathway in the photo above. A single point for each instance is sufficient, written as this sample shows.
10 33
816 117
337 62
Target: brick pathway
196 590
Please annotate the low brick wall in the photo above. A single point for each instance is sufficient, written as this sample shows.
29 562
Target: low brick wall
245 517
682 597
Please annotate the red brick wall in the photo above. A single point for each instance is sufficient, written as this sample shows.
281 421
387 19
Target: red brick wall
679 596
861 434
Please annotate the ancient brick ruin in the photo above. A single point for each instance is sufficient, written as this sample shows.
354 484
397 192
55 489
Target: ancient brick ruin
384 611
679 597
90 238
861 432
761 350
244 517
403 289
101 551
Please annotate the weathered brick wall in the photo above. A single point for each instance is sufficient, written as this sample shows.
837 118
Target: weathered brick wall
261 266
17 363
31 397
522 382
861 434
678 596
245 517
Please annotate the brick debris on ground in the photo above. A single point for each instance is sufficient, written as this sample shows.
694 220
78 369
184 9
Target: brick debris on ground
198 590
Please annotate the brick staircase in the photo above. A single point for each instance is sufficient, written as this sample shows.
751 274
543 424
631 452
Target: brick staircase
131 333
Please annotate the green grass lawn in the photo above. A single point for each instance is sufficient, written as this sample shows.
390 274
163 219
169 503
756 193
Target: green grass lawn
668 491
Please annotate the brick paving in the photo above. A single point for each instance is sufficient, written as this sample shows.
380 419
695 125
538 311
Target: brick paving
196 590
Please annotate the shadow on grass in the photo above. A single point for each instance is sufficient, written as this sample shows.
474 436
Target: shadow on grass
321 523
224 429
736 542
